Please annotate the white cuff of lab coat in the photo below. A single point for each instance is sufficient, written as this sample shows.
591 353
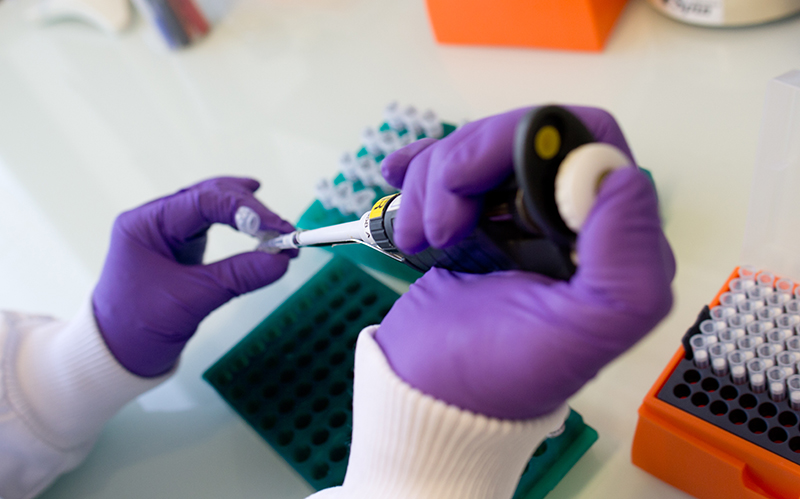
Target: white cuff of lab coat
67 383
408 444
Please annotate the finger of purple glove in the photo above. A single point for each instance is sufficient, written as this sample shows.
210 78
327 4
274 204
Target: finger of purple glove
192 211
467 163
394 166
515 345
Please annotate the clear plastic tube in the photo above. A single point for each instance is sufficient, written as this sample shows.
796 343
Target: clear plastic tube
787 321
756 372
766 352
711 327
748 310
776 381
793 344
778 337
747 345
758 294
729 299
728 338
784 286
792 307
765 279
787 361
759 329
738 323
777 300
736 365
793 383
719 359
720 313
769 313
699 350
747 273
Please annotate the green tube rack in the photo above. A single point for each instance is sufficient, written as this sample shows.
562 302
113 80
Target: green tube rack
291 380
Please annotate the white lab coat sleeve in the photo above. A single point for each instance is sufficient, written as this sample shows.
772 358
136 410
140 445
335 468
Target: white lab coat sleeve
407 444
59 384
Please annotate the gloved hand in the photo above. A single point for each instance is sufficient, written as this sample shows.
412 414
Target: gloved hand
516 345
154 289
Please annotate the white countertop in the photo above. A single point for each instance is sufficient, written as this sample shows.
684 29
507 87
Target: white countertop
91 125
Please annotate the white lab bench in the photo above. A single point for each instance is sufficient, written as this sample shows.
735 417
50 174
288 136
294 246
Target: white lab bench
91 125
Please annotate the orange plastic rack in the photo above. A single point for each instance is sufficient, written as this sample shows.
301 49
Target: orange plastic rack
560 24
704 459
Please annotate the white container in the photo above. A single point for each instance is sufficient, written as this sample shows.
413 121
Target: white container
727 12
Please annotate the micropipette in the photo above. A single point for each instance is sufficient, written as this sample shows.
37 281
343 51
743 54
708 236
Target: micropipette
530 222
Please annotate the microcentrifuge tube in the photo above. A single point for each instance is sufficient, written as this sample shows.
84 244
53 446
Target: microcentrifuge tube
748 310
736 365
720 313
765 279
793 344
778 337
787 321
756 369
738 323
793 382
747 272
787 361
747 345
736 285
777 300
758 295
784 286
719 359
729 299
759 328
792 307
711 327
768 313
699 350
766 352
728 338
776 380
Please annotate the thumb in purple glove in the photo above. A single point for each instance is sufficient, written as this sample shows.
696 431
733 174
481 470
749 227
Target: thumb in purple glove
154 289
515 345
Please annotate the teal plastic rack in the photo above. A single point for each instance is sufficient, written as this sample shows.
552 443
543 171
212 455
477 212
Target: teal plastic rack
291 380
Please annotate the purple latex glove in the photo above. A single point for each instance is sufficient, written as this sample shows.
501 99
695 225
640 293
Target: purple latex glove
154 289
516 345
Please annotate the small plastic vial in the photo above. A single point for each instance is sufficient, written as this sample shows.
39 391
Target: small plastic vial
758 294
768 313
784 286
747 273
728 338
787 361
787 321
766 352
793 344
793 383
719 359
736 365
778 337
699 350
711 327
748 310
765 279
738 323
747 345
729 299
756 371
759 329
776 381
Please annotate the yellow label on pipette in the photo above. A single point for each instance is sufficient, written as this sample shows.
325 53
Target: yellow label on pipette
380 205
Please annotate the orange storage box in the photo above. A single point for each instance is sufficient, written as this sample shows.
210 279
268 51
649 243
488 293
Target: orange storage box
558 24
746 447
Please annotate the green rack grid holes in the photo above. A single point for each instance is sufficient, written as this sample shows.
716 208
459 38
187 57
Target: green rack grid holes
291 380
